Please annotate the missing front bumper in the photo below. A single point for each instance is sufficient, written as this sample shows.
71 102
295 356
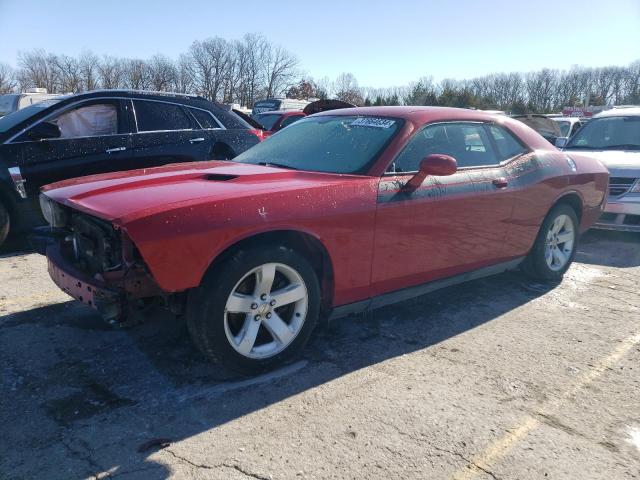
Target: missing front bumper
110 303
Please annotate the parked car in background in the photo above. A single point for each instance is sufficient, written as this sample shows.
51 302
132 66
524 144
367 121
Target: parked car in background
542 124
12 102
105 131
568 125
273 121
341 212
271 104
613 137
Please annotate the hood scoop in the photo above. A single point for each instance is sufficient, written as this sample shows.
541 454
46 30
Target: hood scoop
219 177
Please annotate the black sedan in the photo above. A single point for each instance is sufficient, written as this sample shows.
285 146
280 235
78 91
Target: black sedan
104 131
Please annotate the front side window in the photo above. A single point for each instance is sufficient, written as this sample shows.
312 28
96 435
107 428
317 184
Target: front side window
88 121
468 143
334 144
159 116
608 133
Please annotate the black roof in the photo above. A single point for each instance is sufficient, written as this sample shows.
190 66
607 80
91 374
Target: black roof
186 98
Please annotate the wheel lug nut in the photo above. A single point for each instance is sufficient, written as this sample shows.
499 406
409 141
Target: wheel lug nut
254 306
256 318
268 315
263 296
272 303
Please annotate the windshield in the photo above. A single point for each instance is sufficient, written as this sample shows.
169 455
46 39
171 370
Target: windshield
267 120
8 104
18 116
333 144
608 133
565 126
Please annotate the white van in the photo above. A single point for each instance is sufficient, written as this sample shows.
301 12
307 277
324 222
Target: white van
271 104
15 101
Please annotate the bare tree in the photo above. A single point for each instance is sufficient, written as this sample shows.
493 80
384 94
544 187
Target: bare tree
37 70
68 74
89 70
111 72
346 88
279 67
163 73
8 81
137 75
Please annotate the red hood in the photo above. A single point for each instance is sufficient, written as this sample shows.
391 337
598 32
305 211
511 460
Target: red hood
122 197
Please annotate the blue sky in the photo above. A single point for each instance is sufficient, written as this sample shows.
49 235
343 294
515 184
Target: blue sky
384 43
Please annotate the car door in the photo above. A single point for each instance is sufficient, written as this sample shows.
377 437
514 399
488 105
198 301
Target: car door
214 141
450 224
95 138
165 133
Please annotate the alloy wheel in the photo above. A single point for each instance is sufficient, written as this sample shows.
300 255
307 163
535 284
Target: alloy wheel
266 310
560 242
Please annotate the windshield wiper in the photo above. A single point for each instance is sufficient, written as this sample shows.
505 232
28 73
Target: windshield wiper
277 165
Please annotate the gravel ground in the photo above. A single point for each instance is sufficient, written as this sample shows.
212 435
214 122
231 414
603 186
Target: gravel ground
500 378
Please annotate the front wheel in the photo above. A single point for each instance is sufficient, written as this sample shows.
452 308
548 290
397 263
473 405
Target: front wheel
255 310
556 245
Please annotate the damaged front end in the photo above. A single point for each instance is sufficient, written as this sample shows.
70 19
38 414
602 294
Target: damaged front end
96 263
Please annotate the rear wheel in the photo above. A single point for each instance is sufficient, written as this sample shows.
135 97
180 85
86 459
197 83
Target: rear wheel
256 309
555 247
5 223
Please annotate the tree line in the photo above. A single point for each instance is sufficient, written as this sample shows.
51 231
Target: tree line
253 68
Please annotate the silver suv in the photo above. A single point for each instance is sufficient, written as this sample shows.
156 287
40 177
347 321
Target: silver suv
613 137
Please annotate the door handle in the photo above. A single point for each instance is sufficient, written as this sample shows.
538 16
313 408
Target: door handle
116 149
196 140
500 182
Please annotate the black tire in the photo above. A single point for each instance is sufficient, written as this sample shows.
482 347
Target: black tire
5 223
206 307
535 265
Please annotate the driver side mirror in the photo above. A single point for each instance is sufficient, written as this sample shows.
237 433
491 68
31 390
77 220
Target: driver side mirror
561 142
44 131
435 164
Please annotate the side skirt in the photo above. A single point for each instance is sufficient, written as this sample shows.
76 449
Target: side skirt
412 292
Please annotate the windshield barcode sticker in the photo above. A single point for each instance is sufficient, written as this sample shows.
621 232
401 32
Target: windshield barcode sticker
372 122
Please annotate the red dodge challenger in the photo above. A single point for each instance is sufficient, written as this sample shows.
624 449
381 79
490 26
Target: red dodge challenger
343 211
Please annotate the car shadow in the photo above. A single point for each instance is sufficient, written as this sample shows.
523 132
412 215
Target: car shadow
113 397
609 248
15 245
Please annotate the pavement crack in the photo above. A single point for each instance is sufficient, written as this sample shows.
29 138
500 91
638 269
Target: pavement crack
238 468
469 461
233 466
186 460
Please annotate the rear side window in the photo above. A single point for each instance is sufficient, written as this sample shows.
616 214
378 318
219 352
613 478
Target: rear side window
468 143
205 119
507 145
158 116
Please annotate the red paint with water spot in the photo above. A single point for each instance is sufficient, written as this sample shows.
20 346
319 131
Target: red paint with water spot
181 217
